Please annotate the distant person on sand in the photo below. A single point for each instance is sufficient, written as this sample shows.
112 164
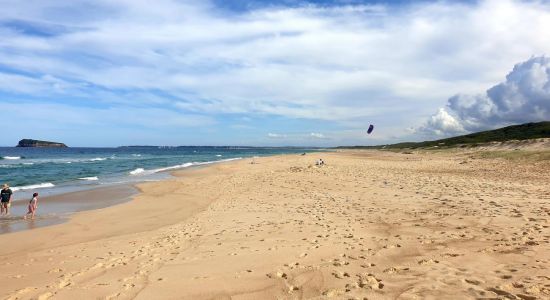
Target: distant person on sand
6 195
33 204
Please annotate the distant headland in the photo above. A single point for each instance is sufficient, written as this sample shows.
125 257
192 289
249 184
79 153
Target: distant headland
42 144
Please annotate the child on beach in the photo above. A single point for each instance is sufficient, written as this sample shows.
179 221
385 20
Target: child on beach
33 204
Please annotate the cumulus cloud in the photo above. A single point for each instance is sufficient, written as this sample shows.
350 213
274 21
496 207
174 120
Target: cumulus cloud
523 97
442 123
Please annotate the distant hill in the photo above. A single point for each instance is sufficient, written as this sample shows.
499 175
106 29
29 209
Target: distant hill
515 132
42 144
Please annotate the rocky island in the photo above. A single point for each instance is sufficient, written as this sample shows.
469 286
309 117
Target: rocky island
42 144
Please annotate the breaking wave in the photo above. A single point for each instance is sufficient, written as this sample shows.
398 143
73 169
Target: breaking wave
11 157
142 171
33 186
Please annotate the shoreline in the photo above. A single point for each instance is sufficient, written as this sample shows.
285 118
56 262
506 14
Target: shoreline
369 224
60 207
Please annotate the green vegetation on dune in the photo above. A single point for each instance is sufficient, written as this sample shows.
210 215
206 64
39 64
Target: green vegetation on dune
543 155
516 132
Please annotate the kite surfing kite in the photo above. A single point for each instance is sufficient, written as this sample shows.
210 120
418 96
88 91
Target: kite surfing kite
371 128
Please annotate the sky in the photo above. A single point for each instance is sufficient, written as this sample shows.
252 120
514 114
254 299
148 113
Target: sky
269 73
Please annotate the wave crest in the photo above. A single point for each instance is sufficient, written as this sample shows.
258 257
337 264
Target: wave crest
137 171
98 159
33 186
11 157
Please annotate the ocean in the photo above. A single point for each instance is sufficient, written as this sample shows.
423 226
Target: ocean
52 171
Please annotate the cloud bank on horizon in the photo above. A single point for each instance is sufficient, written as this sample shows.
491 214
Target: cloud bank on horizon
523 97
268 72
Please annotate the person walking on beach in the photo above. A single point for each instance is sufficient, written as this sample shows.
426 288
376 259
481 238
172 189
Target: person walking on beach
5 196
33 204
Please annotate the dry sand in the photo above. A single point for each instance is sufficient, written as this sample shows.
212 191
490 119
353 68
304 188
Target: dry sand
368 225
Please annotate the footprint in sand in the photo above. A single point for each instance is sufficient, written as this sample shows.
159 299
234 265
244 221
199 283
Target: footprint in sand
472 281
293 288
393 270
427 261
340 275
369 281
452 254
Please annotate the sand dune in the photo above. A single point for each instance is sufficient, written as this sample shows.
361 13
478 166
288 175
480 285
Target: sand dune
368 225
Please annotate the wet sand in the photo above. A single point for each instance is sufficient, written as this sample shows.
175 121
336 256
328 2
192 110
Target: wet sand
57 209
369 224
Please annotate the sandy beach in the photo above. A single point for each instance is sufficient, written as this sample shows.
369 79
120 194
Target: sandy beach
451 224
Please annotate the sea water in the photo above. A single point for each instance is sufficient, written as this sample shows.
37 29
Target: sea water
51 171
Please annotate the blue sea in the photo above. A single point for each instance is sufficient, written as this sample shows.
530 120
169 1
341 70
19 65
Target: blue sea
53 171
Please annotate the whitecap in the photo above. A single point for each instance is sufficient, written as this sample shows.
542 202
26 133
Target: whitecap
89 178
98 159
33 186
137 171
11 157
182 166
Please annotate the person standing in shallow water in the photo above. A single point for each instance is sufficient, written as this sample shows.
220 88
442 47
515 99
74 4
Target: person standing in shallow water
33 204
5 196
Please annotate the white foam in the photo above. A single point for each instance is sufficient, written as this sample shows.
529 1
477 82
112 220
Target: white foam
11 157
89 178
28 164
141 171
33 186
137 171
217 161
218 155
185 165
98 159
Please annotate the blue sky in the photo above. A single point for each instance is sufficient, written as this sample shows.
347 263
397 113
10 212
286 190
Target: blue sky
265 73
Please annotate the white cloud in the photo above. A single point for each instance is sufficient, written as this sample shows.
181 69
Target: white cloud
440 124
341 64
316 135
523 97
